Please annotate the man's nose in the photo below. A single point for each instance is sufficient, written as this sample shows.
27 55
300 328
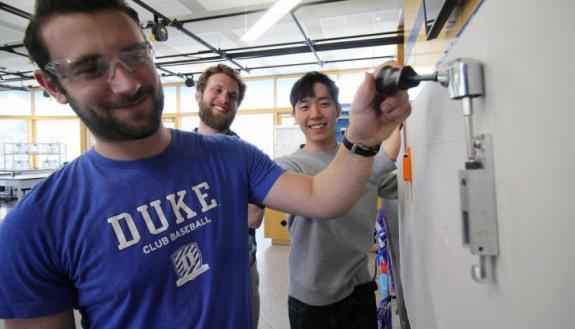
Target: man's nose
224 98
314 110
121 78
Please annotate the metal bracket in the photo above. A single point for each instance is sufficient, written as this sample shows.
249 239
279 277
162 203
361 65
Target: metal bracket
463 78
478 207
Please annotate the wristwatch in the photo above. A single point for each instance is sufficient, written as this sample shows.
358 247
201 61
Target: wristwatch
359 149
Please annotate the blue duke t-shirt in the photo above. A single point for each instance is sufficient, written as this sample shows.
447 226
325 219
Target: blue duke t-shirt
154 243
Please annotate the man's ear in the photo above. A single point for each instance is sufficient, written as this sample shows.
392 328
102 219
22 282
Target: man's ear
51 86
337 110
198 96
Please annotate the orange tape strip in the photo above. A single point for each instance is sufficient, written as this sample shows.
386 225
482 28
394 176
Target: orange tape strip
407 165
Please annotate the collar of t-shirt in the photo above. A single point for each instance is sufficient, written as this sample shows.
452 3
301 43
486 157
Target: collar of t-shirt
228 132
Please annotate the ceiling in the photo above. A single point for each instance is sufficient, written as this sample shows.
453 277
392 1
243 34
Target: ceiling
318 35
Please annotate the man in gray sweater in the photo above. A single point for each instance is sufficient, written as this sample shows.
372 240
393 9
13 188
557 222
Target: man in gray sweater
330 286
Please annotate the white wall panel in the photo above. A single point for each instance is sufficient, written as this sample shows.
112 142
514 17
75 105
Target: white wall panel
529 109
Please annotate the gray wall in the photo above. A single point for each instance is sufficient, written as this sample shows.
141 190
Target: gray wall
528 48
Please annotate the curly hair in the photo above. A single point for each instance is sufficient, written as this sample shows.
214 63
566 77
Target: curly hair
222 68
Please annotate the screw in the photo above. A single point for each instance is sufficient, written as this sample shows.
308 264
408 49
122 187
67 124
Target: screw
477 144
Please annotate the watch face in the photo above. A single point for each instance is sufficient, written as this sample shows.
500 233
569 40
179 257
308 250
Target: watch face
160 32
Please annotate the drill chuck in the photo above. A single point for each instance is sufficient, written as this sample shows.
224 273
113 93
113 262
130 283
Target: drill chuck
391 79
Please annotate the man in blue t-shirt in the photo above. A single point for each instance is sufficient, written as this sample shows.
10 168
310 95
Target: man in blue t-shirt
147 228
219 92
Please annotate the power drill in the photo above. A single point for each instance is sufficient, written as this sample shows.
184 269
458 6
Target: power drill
390 79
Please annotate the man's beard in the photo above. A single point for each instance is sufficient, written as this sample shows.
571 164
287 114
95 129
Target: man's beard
219 123
109 128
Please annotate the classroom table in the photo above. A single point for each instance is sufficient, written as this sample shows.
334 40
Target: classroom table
22 181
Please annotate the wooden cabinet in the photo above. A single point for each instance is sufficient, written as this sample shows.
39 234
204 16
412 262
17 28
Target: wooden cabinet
275 227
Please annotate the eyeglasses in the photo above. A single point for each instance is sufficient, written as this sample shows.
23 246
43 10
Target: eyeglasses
98 68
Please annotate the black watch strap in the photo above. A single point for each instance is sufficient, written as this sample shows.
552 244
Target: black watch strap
359 149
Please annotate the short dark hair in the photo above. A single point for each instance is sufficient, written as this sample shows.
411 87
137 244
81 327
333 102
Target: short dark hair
45 9
222 68
304 87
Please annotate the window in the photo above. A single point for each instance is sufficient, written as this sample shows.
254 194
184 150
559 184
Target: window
266 100
15 102
287 119
188 102
169 122
283 90
50 106
12 131
259 95
170 100
348 84
256 129
91 139
189 123
60 131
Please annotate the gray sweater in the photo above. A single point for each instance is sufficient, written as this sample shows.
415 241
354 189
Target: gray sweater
328 258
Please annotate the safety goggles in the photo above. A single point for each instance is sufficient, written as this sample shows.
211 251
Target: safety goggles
99 68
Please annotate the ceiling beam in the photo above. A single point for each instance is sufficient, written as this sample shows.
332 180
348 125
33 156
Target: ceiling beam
254 11
285 44
15 11
394 40
4 87
180 26
12 51
4 73
231 55
307 41
325 62
296 64
19 13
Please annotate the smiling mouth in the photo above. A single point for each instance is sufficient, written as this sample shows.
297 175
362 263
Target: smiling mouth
317 126
133 104
128 103
220 109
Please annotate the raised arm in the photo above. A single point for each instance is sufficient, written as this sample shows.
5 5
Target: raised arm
255 216
392 143
64 320
335 190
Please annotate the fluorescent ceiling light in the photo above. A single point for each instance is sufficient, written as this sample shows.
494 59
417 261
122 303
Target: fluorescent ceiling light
272 16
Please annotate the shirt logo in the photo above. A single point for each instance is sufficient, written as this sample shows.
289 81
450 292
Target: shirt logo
188 263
